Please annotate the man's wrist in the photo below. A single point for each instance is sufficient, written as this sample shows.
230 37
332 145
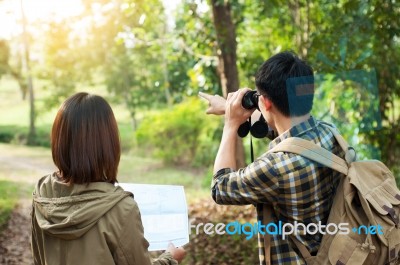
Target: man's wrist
230 128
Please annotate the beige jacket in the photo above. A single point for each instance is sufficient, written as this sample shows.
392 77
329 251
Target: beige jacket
94 224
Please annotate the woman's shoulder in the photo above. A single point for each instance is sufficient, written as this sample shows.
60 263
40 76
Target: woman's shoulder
121 218
45 181
126 205
48 178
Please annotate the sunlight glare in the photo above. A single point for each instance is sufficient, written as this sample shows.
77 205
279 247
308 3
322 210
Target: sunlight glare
42 9
45 10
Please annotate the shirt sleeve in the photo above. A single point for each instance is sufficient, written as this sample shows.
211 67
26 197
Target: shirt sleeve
133 247
36 237
256 183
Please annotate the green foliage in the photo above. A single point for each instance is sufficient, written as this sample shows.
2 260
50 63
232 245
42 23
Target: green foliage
262 30
4 56
196 44
19 135
355 112
6 134
127 47
181 135
365 38
61 64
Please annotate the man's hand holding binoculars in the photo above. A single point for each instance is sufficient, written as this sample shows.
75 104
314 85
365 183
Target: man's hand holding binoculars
217 103
235 113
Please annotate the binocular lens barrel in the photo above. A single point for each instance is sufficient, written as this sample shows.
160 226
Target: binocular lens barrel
250 100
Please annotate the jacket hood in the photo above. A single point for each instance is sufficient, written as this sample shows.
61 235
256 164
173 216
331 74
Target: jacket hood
69 211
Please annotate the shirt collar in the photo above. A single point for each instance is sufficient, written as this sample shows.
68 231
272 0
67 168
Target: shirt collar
295 131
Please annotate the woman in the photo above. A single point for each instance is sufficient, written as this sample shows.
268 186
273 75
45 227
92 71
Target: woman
79 216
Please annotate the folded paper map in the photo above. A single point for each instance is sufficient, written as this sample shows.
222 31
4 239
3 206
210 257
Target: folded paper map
164 213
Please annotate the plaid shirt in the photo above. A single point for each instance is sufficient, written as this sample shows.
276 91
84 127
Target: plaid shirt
298 189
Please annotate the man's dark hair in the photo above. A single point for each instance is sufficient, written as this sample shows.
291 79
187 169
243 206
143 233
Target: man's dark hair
85 140
288 82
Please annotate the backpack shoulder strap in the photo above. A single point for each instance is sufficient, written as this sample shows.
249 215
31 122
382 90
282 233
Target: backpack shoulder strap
350 153
313 152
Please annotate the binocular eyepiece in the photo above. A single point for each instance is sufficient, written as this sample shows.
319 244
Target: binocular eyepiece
250 100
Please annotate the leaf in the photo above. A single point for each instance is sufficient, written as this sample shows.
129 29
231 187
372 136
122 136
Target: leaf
343 49
323 58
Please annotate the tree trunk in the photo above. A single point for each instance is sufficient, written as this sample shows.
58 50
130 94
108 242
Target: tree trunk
23 85
301 24
165 66
227 68
32 130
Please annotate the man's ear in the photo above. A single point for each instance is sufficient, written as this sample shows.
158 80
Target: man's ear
267 103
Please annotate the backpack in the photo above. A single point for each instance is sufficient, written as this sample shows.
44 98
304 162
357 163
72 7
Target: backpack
366 198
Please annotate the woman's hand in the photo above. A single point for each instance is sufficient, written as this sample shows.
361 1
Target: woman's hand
177 253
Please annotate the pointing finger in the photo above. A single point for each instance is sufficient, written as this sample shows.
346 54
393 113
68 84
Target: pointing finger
205 96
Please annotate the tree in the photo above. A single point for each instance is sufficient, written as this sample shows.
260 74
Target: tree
24 79
4 57
14 70
226 37
365 38
227 68
194 56
62 64
128 43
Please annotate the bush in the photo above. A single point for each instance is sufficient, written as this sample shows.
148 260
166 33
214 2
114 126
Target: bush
19 135
220 249
183 135
9 134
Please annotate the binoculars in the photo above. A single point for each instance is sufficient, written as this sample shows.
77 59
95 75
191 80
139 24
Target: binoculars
260 128
250 100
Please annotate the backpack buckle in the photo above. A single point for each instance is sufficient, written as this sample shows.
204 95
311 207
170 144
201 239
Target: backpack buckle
350 155
392 214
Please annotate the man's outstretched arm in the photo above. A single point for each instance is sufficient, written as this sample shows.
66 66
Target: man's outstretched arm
216 105
252 184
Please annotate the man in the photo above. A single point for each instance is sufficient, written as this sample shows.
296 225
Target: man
295 188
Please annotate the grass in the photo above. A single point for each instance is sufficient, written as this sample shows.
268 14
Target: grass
8 200
24 166
148 170
20 168
10 193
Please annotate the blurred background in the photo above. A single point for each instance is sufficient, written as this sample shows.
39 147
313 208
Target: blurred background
150 58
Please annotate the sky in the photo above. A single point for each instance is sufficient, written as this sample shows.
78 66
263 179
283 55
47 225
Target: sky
10 12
